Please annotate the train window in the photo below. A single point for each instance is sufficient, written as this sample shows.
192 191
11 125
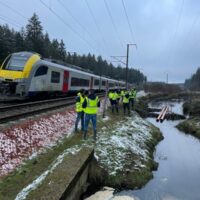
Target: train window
103 83
6 62
16 63
96 82
79 82
111 84
55 77
41 71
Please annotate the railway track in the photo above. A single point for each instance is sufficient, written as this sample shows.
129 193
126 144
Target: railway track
14 112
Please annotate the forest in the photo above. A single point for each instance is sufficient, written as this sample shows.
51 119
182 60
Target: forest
32 38
193 83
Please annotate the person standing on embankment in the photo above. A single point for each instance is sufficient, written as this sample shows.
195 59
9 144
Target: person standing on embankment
91 105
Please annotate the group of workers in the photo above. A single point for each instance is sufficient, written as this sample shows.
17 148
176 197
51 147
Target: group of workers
126 96
87 104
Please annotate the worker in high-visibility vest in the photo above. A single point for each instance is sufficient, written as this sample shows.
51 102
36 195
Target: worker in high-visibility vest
110 94
114 102
132 95
119 96
122 93
91 105
126 102
79 109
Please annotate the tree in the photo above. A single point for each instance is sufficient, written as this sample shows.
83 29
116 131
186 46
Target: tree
193 83
54 53
62 50
47 46
34 35
20 41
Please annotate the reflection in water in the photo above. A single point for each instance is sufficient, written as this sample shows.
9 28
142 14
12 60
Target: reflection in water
178 175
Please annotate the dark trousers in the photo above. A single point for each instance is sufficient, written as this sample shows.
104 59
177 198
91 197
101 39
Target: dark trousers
126 107
114 105
132 101
80 116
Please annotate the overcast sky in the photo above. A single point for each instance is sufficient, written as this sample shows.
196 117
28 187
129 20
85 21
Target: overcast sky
166 31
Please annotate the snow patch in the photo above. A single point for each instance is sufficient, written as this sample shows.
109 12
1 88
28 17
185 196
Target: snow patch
24 192
25 140
129 136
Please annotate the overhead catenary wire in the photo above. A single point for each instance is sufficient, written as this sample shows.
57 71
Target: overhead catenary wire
194 22
96 23
128 21
69 26
74 18
114 25
14 10
130 27
9 22
12 21
171 50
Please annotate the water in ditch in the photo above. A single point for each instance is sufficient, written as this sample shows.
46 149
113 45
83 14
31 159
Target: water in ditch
178 174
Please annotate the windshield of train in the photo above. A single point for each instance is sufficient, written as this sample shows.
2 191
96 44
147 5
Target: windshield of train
17 62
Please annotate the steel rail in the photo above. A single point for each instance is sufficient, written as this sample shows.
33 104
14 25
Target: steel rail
35 108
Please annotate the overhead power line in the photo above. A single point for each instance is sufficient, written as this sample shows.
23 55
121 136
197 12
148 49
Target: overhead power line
14 10
75 19
171 51
67 25
129 24
96 24
113 23
9 22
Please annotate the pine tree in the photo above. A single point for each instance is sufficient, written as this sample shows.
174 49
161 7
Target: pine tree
62 51
47 46
34 35
54 49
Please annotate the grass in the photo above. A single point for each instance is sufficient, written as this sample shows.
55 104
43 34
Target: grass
31 169
191 126
21 177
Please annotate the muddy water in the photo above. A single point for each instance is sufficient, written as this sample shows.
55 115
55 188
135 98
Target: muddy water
178 175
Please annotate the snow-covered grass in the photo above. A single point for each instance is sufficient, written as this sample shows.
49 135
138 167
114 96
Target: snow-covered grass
128 136
32 186
26 139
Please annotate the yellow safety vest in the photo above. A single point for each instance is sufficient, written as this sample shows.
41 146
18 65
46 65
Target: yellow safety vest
114 96
91 106
125 100
110 95
79 107
119 95
132 94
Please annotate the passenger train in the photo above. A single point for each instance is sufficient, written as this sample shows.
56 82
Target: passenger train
27 74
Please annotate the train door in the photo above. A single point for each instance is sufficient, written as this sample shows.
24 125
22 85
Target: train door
65 81
91 82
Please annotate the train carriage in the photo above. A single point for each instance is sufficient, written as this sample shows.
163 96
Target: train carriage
26 74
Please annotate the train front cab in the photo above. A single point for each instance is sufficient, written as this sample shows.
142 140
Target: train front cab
14 74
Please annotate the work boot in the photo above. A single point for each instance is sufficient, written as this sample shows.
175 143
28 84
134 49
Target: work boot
85 135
